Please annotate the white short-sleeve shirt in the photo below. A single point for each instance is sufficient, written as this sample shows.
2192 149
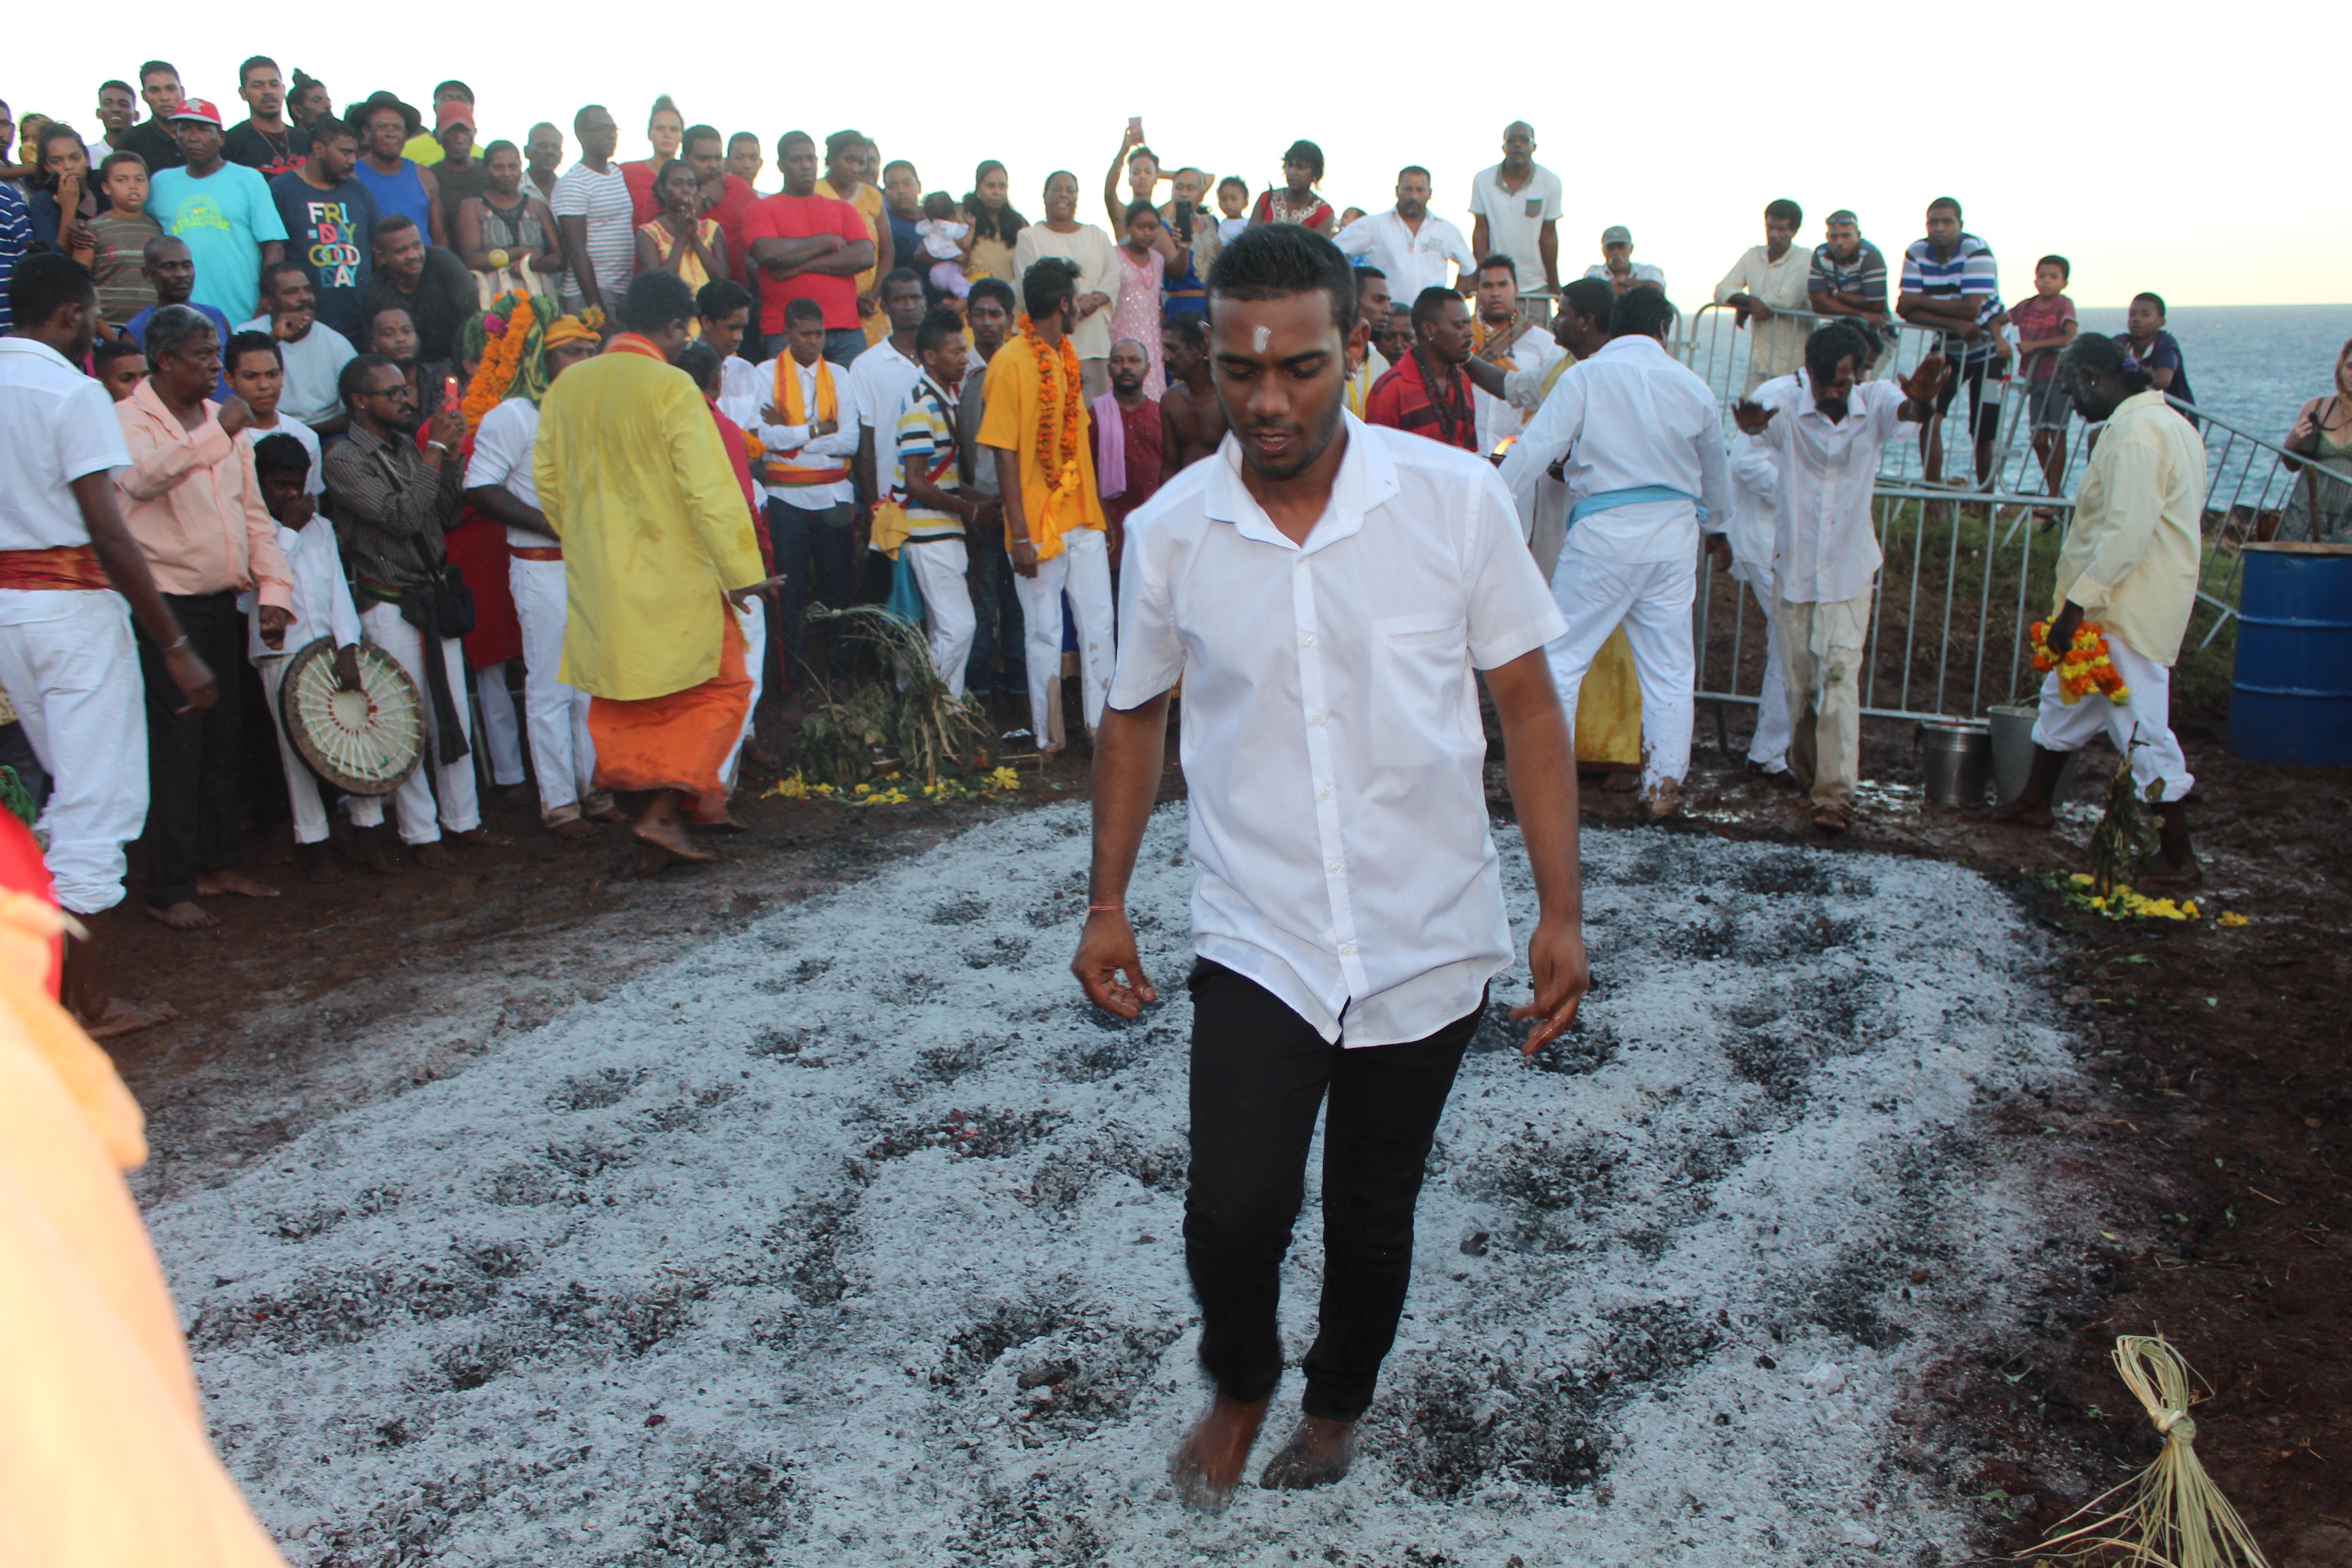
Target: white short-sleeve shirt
1332 745
502 452
57 425
1515 219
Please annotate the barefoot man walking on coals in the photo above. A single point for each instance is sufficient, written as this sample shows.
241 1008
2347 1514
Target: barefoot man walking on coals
1324 588
657 541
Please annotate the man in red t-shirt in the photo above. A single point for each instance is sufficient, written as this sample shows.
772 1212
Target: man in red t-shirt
809 247
726 199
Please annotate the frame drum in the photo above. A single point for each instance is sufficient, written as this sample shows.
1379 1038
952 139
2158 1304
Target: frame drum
362 742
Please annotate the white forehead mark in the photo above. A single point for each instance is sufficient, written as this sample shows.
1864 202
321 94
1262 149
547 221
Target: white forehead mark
1259 338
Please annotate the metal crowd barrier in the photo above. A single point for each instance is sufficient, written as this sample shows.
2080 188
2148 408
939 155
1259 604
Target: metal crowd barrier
1968 570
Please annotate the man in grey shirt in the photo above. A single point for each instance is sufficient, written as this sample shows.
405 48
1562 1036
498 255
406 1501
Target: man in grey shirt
990 313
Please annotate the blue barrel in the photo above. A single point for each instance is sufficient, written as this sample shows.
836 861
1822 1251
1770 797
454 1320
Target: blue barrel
2291 692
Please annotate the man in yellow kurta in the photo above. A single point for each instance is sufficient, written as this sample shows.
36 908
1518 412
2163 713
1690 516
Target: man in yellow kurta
2129 570
657 541
1035 425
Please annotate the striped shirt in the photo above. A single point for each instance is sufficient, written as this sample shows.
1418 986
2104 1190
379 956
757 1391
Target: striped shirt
1865 274
15 238
926 444
1968 271
602 197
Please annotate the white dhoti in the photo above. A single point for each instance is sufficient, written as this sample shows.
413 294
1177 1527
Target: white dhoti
68 662
942 568
1082 571
753 620
1651 599
2140 725
1821 645
501 730
555 715
1769 747
302 796
460 811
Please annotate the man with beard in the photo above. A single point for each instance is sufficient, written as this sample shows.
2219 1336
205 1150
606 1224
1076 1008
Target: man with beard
1825 429
1504 338
313 354
264 141
1413 248
328 217
659 556
2131 560
391 504
1641 444
429 283
1427 393
1189 409
1323 589
1129 440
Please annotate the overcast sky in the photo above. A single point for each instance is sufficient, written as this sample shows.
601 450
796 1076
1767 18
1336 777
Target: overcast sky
2158 151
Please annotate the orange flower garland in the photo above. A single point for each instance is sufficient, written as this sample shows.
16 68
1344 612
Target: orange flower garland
503 359
1057 450
2086 667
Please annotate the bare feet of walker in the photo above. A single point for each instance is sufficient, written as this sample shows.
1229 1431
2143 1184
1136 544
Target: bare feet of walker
235 882
1208 1463
1318 1453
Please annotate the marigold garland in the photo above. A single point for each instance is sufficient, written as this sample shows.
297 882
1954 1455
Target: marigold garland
1057 451
507 325
2086 667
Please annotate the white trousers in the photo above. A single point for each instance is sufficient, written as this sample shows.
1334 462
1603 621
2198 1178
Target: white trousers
1082 571
941 566
1823 644
501 730
555 714
302 784
2144 715
753 620
1769 747
459 811
79 693
1651 599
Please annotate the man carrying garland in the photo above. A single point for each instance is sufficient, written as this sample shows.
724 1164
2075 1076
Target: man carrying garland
1035 427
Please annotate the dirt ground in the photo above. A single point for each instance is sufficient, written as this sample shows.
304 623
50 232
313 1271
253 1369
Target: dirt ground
2219 1138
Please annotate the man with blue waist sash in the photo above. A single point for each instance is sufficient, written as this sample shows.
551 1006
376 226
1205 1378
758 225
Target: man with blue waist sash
1642 451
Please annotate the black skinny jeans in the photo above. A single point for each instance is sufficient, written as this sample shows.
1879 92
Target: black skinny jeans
195 762
1259 1074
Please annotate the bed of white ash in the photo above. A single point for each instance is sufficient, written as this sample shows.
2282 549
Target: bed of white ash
855 1238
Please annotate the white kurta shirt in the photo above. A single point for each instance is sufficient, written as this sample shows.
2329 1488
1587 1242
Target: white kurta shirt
502 455
1332 745
1776 347
814 450
1754 534
1531 356
1411 260
1827 549
322 599
1631 416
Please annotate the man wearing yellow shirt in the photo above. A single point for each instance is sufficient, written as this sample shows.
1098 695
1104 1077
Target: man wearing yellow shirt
633 479
2129 567
1035 425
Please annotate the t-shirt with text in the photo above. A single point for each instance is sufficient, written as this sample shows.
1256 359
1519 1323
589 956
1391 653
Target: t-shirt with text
224 219
327 236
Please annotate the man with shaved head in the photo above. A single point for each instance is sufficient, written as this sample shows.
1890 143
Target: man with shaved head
593 211
1515 210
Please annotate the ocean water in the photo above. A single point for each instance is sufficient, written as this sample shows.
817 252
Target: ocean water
2251 366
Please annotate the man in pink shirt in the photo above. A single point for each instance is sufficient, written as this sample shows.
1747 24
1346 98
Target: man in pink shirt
809 247
193 503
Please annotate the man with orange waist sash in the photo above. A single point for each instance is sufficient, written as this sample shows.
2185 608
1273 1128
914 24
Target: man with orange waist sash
805 415
500 485
658 556
72 579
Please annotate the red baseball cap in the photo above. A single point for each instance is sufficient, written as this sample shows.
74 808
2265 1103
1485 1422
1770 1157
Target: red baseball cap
197 109
453 112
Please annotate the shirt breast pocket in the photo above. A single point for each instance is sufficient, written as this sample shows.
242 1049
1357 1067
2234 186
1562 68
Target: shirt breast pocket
1534 207
1419 675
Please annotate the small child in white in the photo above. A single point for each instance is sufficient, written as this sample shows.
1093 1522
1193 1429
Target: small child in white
947 242
323 608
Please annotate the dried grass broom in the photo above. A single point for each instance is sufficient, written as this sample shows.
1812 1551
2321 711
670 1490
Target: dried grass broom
2174 1516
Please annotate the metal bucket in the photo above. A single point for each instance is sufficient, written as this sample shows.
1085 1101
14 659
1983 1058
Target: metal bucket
1956 755
2012 752
2291 689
